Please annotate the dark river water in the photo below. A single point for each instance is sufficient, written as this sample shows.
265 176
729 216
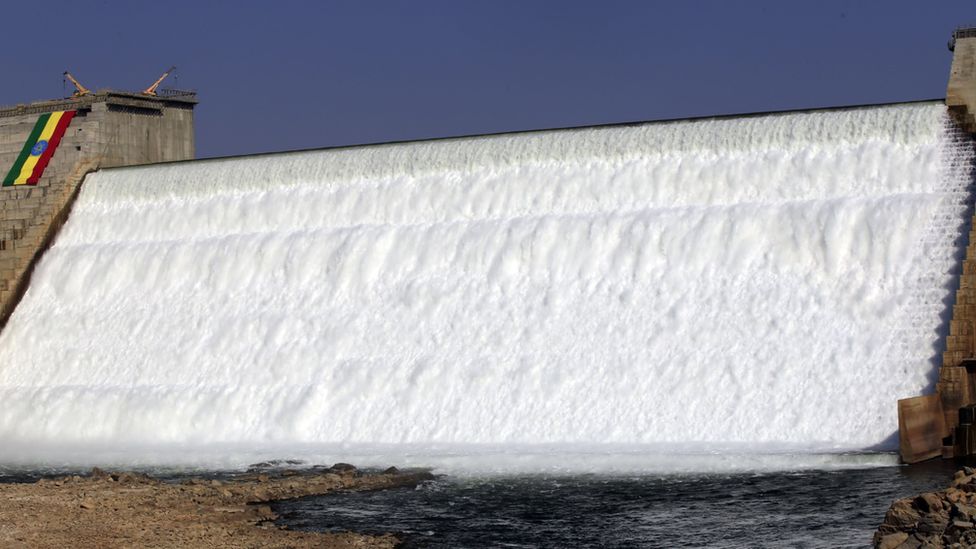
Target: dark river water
840 508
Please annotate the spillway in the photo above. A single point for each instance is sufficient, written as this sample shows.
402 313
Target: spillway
766 283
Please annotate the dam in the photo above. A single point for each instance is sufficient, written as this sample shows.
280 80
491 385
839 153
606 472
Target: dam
763 285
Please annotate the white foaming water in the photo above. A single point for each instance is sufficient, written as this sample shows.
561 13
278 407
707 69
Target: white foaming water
761 283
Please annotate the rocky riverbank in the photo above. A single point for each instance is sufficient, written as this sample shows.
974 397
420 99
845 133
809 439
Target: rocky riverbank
946 518
135 510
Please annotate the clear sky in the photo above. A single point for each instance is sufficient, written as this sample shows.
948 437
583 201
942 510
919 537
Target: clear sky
289 74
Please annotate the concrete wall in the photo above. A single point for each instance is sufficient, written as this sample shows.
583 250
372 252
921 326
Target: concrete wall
961 91
920 431
110 129
955 385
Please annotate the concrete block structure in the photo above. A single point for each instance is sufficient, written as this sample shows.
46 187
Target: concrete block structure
957 377
961 91
923 435
111 128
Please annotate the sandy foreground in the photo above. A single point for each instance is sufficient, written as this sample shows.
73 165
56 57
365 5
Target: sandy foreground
134 510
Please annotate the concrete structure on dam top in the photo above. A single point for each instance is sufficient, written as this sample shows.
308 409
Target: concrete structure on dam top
110 128
961 91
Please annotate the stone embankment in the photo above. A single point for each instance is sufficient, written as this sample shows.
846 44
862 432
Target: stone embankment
943 519
135 510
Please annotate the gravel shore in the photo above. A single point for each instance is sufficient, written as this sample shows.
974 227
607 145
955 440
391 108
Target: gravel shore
135 510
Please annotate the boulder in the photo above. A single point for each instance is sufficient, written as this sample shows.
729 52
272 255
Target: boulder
902 515
892 540
929 503
343 468
98 474
963 511
932 519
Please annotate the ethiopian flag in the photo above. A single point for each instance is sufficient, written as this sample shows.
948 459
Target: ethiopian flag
39 148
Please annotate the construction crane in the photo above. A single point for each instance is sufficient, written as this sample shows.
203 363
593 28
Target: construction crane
79 89
151 90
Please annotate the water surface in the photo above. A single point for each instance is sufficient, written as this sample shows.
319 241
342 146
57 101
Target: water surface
840 508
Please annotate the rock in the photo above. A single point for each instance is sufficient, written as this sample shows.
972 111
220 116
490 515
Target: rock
963 476
932 524
273 464
343 468
931 520
290 473
915 541
391 471
928 503
892 540
216 482
264 512
964 511
902 515
262 478
134 478
98 474
87 504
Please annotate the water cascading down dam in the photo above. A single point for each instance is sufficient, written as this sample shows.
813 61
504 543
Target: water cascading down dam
746 284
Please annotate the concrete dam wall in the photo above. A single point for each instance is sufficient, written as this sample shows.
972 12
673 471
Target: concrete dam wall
764 284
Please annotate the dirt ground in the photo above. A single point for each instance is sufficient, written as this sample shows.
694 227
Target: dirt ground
135 510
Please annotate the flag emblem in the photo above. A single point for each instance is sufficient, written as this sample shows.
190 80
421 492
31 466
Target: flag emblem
39 148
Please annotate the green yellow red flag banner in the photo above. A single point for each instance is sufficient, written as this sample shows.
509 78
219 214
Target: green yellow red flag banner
39 148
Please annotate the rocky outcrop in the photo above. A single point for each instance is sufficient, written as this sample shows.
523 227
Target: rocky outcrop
946 518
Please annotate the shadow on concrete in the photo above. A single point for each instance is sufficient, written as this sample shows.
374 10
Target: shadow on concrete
960 243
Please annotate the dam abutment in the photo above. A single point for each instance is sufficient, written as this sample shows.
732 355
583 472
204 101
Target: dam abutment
943 424
108 129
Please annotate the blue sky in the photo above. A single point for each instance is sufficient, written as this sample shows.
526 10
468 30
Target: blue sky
289 74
